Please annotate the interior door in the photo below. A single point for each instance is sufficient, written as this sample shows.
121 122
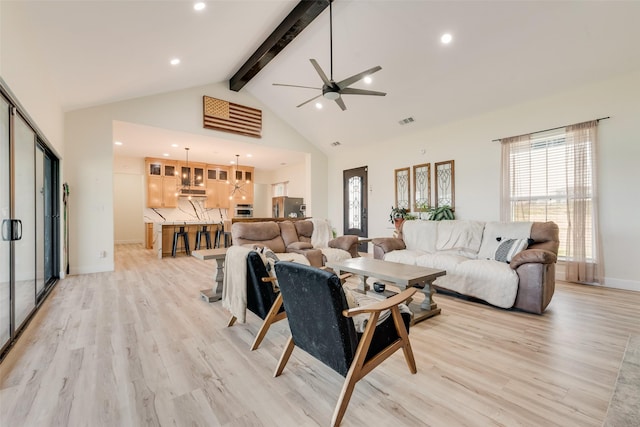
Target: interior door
355 203
5 239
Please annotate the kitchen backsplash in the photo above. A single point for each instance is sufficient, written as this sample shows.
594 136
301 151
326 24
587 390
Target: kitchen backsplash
187 210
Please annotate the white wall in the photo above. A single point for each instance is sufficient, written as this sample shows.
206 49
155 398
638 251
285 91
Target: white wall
477 164
23 72
89 170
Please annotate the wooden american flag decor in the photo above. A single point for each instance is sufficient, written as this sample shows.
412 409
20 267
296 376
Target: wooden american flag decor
229 117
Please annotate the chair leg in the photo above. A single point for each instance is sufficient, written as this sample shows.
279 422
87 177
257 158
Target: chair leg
345 396
404 336
271 317
231 321
285 357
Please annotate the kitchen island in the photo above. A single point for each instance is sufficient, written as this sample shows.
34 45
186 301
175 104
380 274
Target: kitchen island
163 235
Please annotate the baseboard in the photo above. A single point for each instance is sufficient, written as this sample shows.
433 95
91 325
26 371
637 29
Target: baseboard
609 282
629 285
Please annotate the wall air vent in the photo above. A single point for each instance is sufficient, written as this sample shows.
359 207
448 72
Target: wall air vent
335 144
406 121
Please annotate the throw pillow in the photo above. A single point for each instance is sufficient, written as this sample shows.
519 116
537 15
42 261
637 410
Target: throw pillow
508 248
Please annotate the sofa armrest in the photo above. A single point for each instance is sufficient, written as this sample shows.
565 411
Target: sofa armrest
314 256
348 242
540 256
383 245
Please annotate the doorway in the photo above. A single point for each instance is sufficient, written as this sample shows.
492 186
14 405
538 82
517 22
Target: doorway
355 203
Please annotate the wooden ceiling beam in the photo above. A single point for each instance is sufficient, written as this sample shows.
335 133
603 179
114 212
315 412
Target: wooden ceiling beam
297 20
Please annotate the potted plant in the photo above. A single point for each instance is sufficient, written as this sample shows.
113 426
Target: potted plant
399 215
441 213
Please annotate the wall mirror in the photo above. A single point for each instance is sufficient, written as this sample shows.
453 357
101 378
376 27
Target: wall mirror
402 188
445 184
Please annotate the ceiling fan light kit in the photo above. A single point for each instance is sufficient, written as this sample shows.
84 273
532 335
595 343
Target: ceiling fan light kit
331 89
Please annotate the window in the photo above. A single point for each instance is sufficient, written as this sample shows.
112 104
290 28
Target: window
549 176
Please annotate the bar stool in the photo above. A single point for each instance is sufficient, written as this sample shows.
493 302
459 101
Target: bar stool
207 235
225 236
177 232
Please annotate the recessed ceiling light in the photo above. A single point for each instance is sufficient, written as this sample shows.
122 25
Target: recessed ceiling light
446 38
368 80
249 155
166 154
175 145
199 6
118 143
319 105
175 61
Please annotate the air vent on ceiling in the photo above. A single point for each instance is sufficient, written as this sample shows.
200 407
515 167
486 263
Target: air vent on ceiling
335 144
406 121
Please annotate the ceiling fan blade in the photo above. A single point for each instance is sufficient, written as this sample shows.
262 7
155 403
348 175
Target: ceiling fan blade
340 102
354 91
305 87
351 80
308 100
321 73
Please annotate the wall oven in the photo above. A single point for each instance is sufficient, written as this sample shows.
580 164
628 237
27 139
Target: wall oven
243 211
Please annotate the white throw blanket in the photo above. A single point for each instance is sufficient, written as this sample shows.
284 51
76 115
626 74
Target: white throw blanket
234 289
321 233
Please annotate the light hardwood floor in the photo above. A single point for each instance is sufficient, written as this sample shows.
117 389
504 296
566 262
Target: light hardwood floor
138 347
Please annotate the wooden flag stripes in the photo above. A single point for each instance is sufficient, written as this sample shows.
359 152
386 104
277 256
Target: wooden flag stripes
229 117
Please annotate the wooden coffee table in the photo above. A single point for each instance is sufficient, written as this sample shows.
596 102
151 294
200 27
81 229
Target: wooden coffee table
401 275
213 294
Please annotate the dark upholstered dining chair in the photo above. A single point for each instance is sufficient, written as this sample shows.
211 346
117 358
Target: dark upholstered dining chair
322 324
263 298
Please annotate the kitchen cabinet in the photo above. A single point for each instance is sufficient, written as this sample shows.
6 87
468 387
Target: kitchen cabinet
192 179
217 187
162 183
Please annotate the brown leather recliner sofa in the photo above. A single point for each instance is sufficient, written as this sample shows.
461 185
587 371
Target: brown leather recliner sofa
467 250
293 237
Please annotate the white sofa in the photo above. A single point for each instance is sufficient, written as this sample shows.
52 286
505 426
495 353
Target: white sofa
466 250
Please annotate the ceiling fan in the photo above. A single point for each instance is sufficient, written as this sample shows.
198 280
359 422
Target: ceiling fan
331 89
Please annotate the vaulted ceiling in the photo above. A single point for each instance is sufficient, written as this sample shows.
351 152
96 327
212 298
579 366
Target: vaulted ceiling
502 53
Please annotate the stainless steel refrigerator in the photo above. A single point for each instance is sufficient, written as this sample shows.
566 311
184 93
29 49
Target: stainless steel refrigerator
286 207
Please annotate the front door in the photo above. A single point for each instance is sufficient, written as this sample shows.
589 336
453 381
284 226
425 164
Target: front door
355 203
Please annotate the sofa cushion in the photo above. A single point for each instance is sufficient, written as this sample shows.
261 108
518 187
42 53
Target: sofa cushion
504 230
491 281
420 235
405 256
304 228
300 245
335 254
460 236
288 233
261 233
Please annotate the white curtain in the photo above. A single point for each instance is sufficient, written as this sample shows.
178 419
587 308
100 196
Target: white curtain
551 176
583 256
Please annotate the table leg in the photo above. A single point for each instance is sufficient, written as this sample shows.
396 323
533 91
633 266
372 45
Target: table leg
215 294
428 307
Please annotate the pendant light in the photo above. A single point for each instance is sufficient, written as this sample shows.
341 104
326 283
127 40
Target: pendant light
236 185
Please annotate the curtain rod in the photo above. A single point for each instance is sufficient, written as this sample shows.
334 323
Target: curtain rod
546 130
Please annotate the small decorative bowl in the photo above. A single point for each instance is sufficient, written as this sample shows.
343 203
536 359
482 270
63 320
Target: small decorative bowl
378 287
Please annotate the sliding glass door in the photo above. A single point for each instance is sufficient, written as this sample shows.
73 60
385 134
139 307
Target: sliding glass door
5 215
25 218
29 221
